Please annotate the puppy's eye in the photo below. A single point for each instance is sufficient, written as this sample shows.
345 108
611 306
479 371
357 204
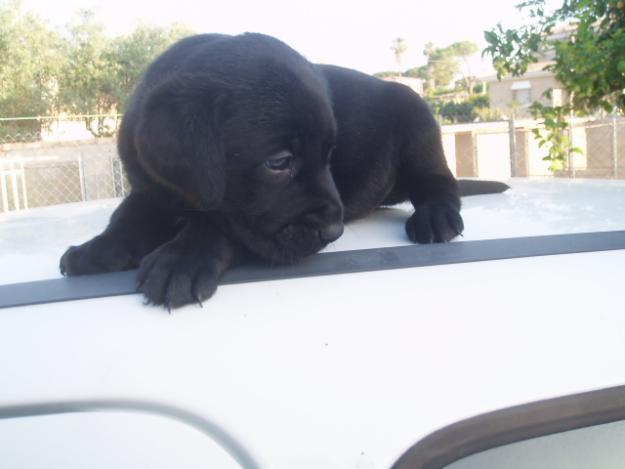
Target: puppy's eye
281 162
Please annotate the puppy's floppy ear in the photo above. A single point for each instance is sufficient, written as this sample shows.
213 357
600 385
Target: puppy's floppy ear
179 139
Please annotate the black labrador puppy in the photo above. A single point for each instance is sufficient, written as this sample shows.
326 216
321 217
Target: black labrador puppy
236 147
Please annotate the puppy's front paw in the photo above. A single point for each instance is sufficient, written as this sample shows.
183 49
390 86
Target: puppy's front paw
434 223
174 275
98 255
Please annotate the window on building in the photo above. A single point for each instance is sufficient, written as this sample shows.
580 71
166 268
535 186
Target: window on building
522 92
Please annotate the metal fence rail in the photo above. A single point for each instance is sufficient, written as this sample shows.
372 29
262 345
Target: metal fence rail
61 128
61 159
509 149
35 175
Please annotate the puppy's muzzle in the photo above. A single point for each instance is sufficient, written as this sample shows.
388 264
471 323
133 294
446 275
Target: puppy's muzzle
328 219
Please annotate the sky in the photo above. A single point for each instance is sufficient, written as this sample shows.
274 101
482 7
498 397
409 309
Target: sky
355 34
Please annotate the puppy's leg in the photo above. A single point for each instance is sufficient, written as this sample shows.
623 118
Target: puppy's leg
187 268
432 189
140 224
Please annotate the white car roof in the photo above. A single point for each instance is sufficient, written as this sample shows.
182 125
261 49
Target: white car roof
32 241
340 371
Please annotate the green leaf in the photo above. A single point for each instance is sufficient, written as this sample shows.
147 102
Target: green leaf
607 107
491 37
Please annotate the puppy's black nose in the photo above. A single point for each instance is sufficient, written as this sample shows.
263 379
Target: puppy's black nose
331 232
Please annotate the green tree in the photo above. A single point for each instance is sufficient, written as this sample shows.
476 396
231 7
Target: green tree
82 71
30 60
131 54
417 72
443 64
385 74
399 48
87 85
463 50
475 108
101 72
588 59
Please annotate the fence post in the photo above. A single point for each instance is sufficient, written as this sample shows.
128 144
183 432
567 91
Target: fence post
24 189
475 157
121 178
15 190
81 176
570 160
614 145
512 139
3 189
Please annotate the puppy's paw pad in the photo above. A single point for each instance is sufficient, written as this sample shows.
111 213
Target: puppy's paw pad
434 223
173 277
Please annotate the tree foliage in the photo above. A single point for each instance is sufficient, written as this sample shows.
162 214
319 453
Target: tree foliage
80 70
555 137
132 53
385 74
442 65
463 51
30 59
100 73
445 63
417 72
474 109
399 48
588 59
88 79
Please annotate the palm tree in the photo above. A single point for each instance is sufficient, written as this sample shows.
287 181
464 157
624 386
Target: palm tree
398 46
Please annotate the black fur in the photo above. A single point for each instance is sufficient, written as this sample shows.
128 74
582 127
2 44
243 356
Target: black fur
236 147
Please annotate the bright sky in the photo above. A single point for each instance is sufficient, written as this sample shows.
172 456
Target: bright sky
350 33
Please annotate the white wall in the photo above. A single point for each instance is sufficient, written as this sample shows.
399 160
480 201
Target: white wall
493 156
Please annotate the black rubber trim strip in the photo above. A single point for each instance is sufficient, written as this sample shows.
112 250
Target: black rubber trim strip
342 262
513 424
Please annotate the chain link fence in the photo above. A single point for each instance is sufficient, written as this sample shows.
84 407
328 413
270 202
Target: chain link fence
504 149
49 161
58 128
602 145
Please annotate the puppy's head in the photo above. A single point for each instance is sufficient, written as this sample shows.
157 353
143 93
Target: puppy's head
246 132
